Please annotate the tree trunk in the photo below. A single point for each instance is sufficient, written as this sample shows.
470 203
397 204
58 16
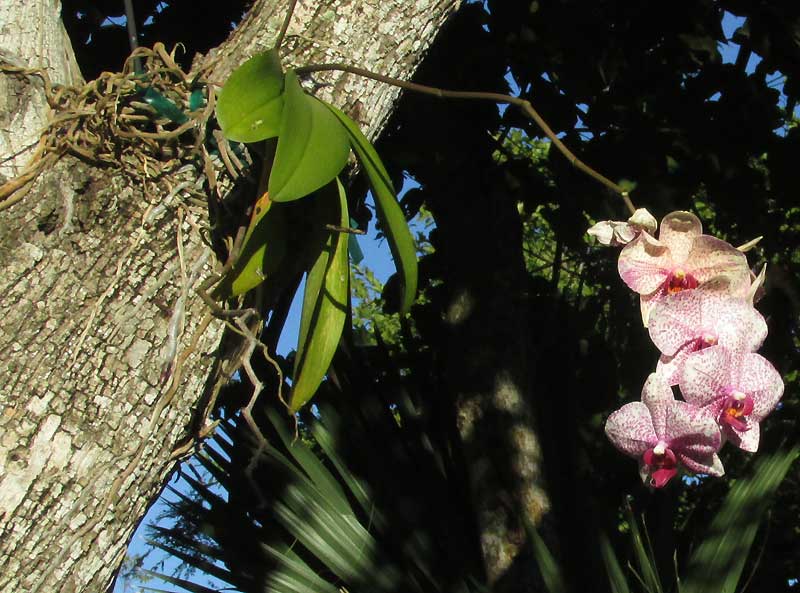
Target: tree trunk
96 267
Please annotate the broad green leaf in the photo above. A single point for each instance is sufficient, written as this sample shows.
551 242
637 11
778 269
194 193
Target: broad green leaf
312 146
717 564
324 308
250 103
263 250
389 212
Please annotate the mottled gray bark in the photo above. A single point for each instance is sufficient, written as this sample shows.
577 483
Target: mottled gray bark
91 277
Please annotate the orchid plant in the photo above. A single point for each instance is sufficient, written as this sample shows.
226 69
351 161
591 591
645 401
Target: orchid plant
697 295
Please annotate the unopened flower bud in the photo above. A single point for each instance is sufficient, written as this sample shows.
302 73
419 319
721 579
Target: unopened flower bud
643 220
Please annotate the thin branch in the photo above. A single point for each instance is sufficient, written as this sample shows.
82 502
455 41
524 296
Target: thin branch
285 26
526 107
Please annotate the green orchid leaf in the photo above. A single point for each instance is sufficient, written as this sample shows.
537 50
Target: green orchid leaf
263 250
324 306
393 221
251 102
312 146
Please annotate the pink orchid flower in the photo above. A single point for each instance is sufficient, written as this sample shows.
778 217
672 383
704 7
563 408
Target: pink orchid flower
739 389
691 320
665 434
680 259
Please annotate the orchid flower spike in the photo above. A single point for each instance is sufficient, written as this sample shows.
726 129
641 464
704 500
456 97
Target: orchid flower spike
739 389
666 435
680 259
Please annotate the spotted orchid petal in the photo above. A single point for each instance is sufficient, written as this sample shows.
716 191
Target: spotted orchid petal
759 379
671 367
707 316
695 437
630 429
747 440
658 398
738 389
706 374
711 257
644 264
678 232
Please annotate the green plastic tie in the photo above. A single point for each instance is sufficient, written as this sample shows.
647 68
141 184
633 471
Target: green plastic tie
356 255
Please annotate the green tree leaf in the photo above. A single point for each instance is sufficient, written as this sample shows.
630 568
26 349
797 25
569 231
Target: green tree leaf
263 250
251 102
312 146
324 306
401 242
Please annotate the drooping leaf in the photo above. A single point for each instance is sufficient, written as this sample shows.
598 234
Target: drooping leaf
312 145
324 308
251 102
263 250
401 242
717 564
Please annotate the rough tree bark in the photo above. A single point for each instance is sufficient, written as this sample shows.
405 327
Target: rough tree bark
90 279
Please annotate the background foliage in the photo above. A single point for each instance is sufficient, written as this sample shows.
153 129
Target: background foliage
641 92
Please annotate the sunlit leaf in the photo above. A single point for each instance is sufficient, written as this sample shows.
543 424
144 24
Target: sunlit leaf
312 146
250 103
324 308
717 564
394 224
